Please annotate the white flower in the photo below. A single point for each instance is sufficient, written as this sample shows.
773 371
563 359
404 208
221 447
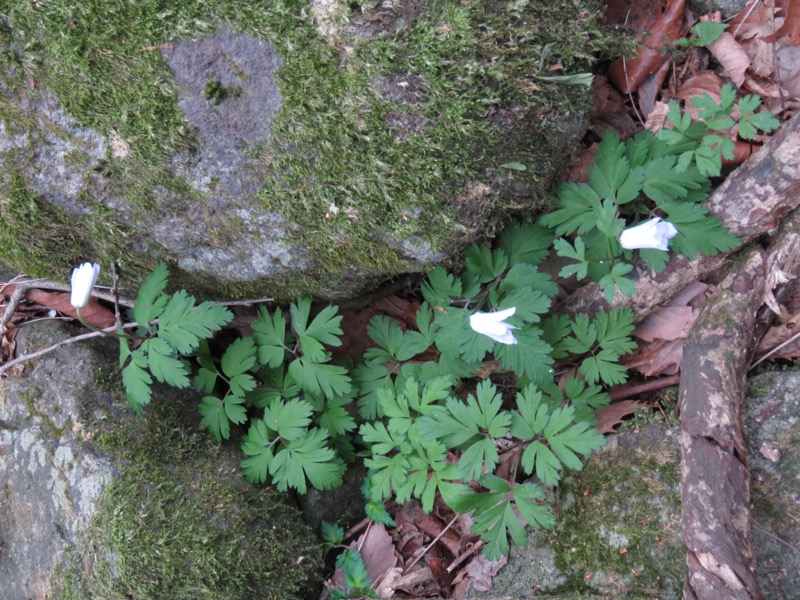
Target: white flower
83 280
654 233
492 324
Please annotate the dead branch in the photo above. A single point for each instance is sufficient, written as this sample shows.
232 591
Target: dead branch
751 202
715 482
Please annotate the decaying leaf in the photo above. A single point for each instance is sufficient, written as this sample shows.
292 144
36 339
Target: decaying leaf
613 414
481 571
777 335
664 331
667 323
706 82
626 75
731 56
660 357
377 550
789 32
93 313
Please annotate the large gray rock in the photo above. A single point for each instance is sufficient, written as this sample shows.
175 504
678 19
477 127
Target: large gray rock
95 503
619 531
278 148
728 8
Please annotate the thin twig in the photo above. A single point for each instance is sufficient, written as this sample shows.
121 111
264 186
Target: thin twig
774 350
115 291
429 546
11 307
629 391
746 16
245 302
363 538
776 538
72 340
627 81
113 296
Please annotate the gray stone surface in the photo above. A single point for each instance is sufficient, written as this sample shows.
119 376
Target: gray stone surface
772 426
728 8
96 503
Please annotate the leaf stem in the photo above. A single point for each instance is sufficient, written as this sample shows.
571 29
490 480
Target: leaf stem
72 340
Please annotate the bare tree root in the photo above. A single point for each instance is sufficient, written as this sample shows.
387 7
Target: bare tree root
715 482
751 202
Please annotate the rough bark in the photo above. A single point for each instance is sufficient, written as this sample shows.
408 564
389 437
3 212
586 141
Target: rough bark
783 272
751 202
715 482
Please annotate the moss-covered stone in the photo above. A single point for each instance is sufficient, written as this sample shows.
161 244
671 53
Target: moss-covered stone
345 142
96 503
618 534
180 523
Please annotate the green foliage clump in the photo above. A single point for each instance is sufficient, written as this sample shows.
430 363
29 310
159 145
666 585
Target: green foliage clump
400 407
665 174
422 407
170 328
694 140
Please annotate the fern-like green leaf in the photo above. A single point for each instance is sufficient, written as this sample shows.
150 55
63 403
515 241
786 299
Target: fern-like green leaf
306 457
149 303
182 324
440 287
270 335
137 382
163 365
526 243
485 263
320 378
288 419
218 415
239 357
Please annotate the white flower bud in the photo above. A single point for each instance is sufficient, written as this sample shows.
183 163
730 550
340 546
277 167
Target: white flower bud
654 233
492 325
83 279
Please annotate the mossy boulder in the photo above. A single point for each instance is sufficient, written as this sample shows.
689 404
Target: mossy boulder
619 532
279 147
97 503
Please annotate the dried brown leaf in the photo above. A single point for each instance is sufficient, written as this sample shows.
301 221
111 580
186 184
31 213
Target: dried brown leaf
650 89
731 56
482 571
93 313
789 32
657 118
777 335
613 414
667 323
706 82
627 75
660 357
377 550
787 61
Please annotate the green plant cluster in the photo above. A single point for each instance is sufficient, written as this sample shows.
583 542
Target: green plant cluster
667 174
695 141
414 408
357 582
425 407
171 327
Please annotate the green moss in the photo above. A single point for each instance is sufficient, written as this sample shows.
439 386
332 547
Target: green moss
620 527
332 144
180 523
47 229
